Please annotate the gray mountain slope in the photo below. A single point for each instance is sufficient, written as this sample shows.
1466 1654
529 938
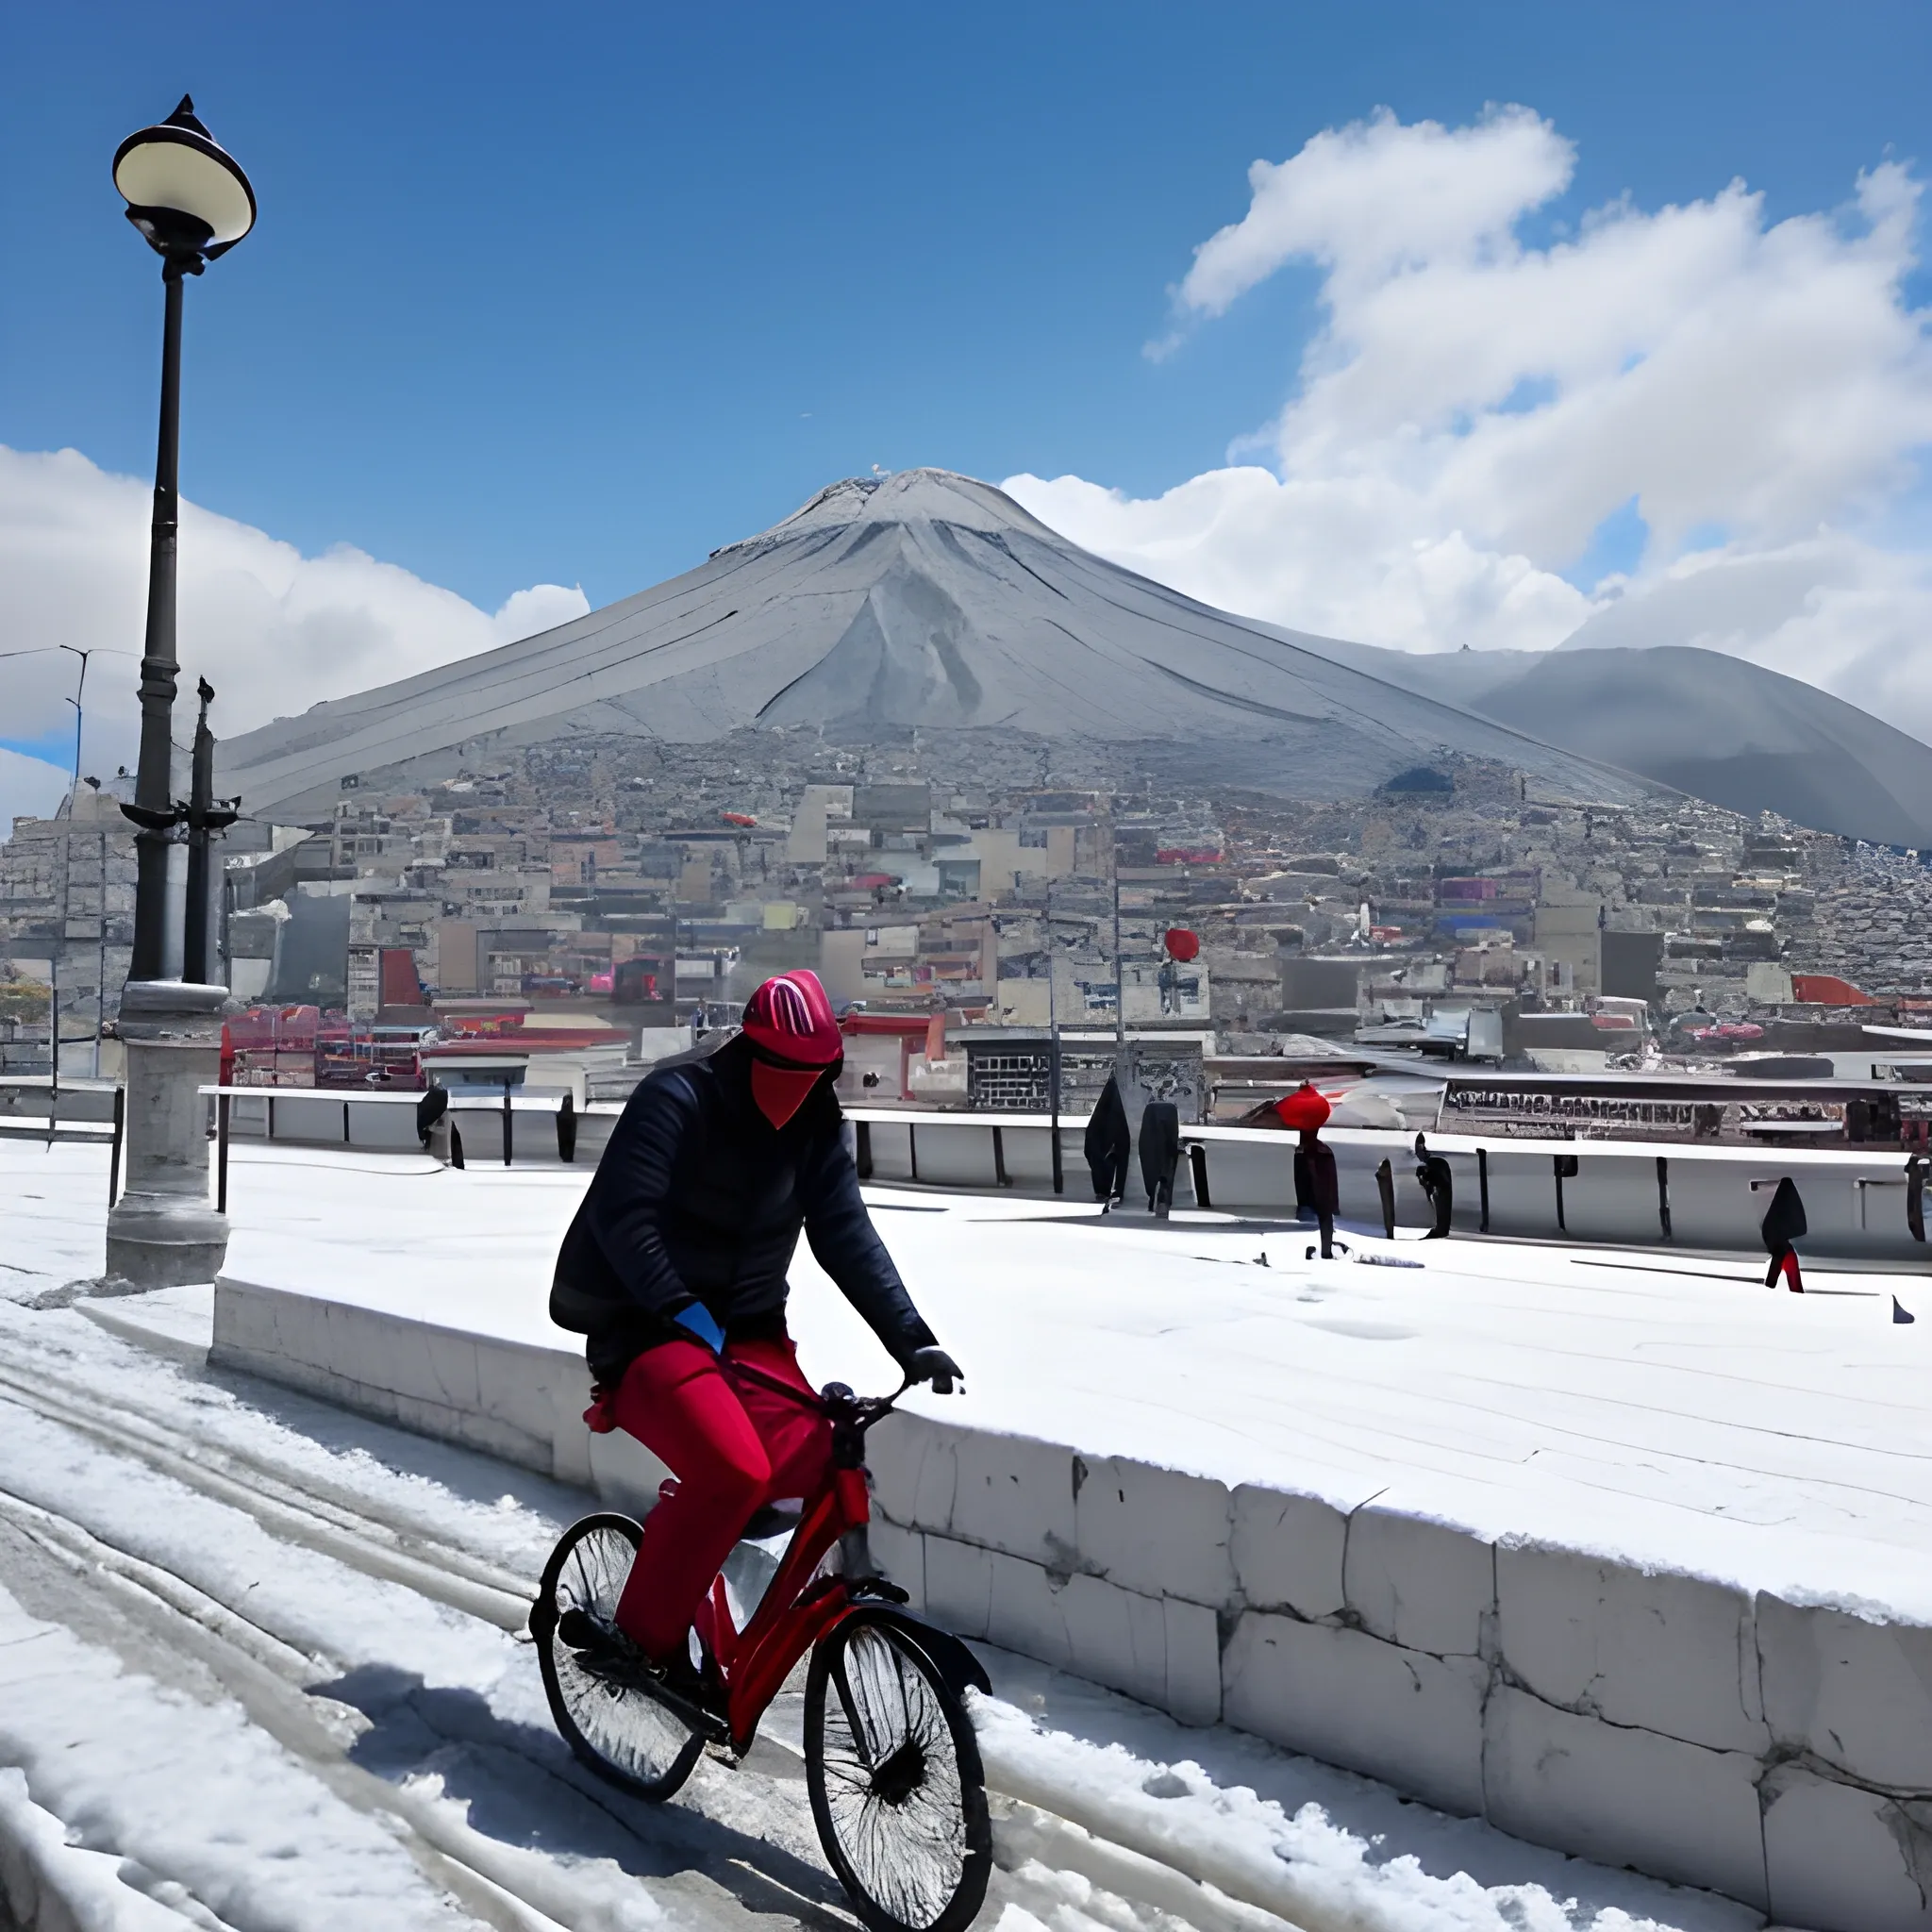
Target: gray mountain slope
1707 724
925 599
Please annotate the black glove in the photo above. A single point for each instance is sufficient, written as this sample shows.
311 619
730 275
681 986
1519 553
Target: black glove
936 1365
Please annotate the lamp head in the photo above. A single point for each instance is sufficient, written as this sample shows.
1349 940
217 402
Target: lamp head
184 191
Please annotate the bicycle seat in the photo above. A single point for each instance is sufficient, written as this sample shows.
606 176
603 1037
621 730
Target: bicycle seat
774 1518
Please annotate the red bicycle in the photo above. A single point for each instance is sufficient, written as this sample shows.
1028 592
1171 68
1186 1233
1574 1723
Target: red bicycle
892 1766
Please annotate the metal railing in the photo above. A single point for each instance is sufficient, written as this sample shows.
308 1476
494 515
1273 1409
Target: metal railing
320 1116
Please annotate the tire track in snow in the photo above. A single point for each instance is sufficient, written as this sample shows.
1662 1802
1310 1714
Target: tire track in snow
1072 1849
352 1535
318 1523
245 1637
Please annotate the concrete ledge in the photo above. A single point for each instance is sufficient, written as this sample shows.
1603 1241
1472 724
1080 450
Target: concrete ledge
1287 1551
1158 1649
511 1399
1850 1694
1841 1856
1416 1583
1778 1752
1154 1530
1625 1796
1351 1699
1585 1635
490 1394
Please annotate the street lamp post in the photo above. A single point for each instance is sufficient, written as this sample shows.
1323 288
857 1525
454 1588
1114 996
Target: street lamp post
192 203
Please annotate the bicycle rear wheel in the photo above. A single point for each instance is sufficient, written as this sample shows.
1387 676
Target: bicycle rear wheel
620 1732
894 1771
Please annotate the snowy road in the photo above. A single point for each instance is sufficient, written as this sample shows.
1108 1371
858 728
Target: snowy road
261 1667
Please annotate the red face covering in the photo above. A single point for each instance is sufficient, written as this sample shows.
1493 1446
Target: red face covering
780 1091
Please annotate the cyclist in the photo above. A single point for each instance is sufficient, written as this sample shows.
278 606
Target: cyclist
675 1267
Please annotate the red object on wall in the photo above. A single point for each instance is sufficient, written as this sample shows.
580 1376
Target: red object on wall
400 985
1827 990
1182 944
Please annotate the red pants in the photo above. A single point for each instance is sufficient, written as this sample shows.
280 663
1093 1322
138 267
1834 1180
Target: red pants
1785 1262
733 1447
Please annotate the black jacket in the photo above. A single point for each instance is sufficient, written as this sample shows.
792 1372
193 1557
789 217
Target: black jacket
1108 1144
699 1198
1784 1219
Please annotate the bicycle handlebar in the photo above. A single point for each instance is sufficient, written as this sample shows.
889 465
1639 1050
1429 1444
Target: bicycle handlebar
837 1402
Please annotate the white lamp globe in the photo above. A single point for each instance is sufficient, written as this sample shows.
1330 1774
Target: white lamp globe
184 191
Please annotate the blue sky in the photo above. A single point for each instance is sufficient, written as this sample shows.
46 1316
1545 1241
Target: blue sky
573 294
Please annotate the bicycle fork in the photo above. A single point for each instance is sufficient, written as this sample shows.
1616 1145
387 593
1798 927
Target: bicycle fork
855 1560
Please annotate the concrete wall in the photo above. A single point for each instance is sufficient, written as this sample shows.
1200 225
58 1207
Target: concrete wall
1778 1752
517 1400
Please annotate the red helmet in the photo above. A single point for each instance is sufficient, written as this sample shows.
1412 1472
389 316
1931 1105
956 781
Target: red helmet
791 1019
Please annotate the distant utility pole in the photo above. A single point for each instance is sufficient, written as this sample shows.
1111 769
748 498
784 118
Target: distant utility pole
100 933
1052 1041
60 945
1119 976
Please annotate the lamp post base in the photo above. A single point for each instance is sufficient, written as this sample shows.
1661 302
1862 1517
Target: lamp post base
152 1244
164 1231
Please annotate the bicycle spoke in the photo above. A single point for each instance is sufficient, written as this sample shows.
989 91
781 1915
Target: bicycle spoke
854 1723
622 1728
890 1780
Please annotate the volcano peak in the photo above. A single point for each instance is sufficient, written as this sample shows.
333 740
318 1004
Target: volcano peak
900 496
920 599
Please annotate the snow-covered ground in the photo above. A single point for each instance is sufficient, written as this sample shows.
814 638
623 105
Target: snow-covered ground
1664 1409
260 1667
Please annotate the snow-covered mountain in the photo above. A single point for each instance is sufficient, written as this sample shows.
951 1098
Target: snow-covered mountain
925 599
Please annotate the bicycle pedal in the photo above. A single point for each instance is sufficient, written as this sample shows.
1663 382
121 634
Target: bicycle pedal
710 1725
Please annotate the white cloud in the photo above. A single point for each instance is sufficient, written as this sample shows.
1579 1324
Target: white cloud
1377 198
29 787
274 631
1476 405
1339 556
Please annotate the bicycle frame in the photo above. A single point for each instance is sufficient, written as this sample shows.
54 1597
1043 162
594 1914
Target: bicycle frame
797 1608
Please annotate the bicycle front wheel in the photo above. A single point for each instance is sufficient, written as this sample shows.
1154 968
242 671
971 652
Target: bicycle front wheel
897 1792
620 1732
